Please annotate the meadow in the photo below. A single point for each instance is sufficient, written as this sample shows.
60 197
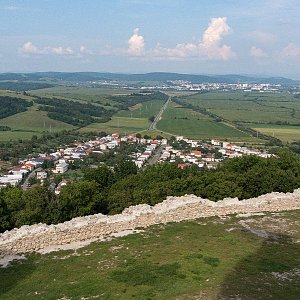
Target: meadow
133 120
182 121
203 259
259 111
28 123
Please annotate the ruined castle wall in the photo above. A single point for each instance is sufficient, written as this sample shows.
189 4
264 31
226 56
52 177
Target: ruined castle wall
173 209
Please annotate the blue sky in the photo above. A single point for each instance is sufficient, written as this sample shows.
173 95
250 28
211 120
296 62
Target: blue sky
205 36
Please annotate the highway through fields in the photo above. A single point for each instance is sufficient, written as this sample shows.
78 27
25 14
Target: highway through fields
159 115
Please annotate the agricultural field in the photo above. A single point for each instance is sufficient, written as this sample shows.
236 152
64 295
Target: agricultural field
271 114
283 132
182 121
119 124
133 120
245 257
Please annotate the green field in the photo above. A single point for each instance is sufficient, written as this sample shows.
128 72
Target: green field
284 133
31 122
142 110
186 122
119 124
254 108
34 120
16 135
209 258
134 120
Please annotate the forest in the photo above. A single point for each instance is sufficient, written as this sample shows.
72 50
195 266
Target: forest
109 191
23 86
11 105
72 112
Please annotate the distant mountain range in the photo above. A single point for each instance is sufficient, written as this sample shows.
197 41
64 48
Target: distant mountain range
56 77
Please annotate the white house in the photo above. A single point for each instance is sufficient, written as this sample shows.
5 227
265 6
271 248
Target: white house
61 167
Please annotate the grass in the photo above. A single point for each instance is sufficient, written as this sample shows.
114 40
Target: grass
142 110
284 133
16 135
64 90
31 122
254 108
201 259
119 124
134 120
181 121
34 120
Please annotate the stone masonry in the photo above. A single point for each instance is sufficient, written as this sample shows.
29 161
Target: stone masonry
173 209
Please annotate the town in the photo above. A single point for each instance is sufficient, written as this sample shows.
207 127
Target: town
185 85
146 151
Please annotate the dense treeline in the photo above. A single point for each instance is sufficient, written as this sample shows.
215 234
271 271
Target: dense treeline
72 112
109 191
23 86
11 105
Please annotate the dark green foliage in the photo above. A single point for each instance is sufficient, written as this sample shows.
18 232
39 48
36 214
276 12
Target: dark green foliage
23 86
80 199
73 112
125 168
102 175
5 128
11 105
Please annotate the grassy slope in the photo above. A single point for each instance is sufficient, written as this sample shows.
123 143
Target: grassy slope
182 121
31 122
202 258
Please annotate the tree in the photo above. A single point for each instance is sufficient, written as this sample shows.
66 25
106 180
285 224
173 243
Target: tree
36 209
102 175
125 168
80 199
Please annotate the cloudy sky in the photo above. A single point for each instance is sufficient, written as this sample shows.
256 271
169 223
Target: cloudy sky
260 37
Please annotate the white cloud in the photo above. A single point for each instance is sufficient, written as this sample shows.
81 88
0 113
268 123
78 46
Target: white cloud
263 37
61 50
30 49
84 50
210 46
291 51
136 44
257 52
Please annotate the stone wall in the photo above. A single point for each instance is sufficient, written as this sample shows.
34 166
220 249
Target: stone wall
173 209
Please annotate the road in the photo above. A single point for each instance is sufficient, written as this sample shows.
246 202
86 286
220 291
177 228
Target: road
156 155
159 115
25 185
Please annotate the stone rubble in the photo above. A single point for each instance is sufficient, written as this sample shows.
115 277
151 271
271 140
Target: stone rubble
173 209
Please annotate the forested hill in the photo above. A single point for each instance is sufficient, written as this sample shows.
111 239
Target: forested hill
56 77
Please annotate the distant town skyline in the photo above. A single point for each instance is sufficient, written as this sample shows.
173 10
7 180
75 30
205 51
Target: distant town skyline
140 36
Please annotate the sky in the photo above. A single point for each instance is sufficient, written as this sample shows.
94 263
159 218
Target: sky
257 37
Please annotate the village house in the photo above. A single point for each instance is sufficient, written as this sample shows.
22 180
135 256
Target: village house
61 167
